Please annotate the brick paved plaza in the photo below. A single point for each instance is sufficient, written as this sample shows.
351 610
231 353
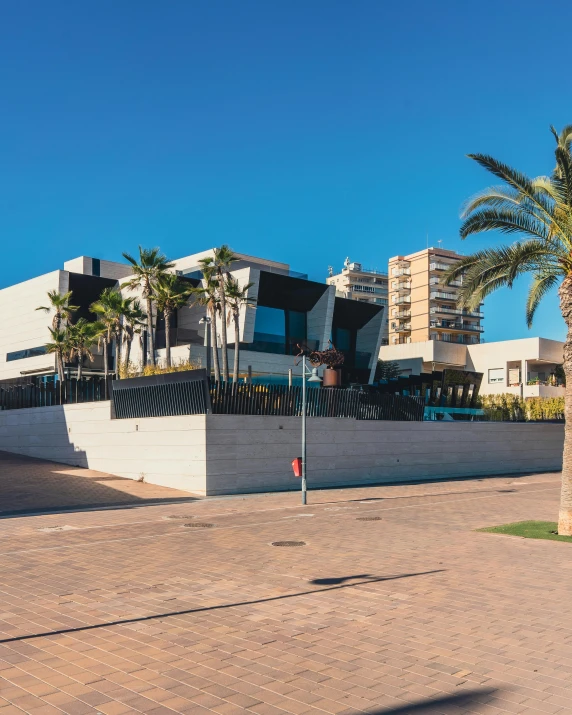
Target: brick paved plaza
127 610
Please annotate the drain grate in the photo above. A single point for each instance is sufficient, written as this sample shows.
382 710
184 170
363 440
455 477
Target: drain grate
368 518
288 543
200 525
180 516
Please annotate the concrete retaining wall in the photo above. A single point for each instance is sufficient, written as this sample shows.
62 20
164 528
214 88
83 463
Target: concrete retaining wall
220 454
169 451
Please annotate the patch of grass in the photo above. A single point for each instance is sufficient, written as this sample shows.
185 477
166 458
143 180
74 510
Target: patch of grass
530 530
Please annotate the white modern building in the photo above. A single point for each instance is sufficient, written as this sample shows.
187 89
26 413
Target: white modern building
525 367
287 310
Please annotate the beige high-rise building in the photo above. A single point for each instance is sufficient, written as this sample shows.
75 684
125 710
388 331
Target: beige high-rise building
364 285
420 308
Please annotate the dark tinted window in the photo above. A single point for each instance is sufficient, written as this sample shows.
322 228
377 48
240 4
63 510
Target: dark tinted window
27 353
95 267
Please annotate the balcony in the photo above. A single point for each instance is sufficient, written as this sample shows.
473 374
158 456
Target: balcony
437 281
440 295
403 328
403 314
402 287
456 311
437 266
456 325
397 272
459 339
401 300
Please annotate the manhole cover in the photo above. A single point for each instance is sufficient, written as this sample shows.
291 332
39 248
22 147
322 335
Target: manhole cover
180 516
288 543
368 518
200 525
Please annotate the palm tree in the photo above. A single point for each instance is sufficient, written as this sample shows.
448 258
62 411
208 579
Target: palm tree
222 259
540 211
82 336
236 298
60 304
60 347
170 294
207 295
152 264
108 310
133 320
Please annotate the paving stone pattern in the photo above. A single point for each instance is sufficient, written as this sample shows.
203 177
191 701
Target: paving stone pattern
126 610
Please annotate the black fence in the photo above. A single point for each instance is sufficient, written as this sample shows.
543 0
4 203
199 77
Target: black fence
19 393
169 394
189 393
281 400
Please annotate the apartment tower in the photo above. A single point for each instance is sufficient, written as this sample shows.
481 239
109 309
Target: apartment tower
420 308
364 285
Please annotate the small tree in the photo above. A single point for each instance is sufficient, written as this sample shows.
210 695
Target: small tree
133 320
60 347
170 294
147 270
222 259
207 295
387 370
59 303
236 298
82 336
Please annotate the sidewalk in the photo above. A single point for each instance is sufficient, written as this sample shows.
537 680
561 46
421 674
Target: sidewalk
393 605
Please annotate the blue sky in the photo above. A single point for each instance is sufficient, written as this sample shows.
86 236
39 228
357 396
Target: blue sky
302 131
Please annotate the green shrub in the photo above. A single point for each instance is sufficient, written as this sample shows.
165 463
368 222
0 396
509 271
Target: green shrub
513 408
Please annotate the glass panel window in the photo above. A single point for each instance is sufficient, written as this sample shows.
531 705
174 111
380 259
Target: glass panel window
27 353
270 321
296 325
496 374
343 339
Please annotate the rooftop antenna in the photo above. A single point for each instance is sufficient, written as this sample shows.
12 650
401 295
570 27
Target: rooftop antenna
427 239
440 241
330 270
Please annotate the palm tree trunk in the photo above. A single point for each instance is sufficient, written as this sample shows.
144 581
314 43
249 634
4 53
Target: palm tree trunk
223 336
214 341
61 367
167 315
105 364
150 337
79 364
118 344
565 513
236 348
127 352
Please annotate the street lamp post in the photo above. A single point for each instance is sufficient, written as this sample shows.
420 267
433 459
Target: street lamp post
312 377
206 321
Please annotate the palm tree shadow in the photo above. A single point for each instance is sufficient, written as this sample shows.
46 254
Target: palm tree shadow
445 704
335 581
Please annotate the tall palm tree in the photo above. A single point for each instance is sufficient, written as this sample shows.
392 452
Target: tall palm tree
108 311
59 303
133 320
237 297
539 210
222 259
60 347
82 336
147 270
207 295
170 293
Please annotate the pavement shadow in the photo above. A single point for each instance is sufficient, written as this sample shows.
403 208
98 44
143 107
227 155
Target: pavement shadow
446 704
337 580
31 486
222 606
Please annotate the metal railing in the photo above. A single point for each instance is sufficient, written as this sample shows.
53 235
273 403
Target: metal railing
443 296
456 311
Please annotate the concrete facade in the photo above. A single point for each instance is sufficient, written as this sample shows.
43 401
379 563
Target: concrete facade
522 367
220 454
272 285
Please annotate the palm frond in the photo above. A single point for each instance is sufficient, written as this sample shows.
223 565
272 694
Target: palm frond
541 284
